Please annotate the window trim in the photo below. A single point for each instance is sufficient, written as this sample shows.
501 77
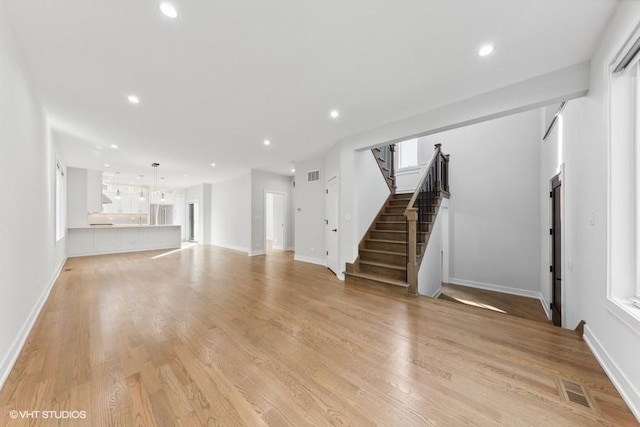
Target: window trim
620 305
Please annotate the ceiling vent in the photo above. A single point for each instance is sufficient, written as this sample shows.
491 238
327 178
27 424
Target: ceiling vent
313 176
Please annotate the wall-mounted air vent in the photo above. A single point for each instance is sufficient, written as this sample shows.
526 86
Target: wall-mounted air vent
313 176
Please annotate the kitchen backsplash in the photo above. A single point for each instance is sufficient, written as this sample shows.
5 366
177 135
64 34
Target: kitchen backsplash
118 219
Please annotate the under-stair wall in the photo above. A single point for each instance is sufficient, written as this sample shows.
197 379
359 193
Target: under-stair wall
434 269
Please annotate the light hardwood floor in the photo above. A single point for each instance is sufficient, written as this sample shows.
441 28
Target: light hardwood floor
208 336
513 305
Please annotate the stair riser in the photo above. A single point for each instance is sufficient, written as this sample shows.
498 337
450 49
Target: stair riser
398 217
386 246
391 226
386 258
383 271
389 235
399 202
407 196
398 210
375 287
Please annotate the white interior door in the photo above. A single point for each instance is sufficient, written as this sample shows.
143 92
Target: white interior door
332 225
278 221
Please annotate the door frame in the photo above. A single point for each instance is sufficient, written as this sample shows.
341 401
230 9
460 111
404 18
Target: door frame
559 179
335 177
196 219
285 218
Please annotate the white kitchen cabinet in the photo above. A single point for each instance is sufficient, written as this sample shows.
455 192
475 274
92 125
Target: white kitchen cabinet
84 195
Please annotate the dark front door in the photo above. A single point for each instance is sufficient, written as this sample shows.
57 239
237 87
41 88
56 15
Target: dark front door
191 234
556 250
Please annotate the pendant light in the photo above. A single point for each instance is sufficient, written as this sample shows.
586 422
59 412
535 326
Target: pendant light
141 196
118 186
155 178
162 199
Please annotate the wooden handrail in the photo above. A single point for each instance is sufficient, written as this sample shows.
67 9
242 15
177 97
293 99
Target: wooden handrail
415 215
434 156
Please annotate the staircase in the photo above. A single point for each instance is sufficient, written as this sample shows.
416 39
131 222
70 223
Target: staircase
389 256
385 156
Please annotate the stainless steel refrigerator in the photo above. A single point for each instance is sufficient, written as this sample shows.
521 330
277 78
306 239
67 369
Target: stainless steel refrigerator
161 214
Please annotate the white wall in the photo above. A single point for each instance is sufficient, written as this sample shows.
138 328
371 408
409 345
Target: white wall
615 341
30 258
260 183
371 189
494 205
435 259
231 213
309 211
77 213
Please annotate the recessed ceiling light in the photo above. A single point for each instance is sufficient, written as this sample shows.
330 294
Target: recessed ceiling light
114 146
168 10
133 99
106 165
334 114
267 142
186 176
213 164
485 50
293 170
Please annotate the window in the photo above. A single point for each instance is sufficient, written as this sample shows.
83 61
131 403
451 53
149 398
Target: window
408 154
60 209
624 185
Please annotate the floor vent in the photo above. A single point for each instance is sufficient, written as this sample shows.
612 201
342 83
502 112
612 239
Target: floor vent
575 393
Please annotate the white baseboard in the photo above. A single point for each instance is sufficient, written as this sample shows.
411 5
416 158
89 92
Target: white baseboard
317 261
257 253
545 306
627 390
232 247
505 290
437 293
17 345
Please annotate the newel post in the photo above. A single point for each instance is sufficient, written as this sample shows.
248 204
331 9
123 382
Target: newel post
392 167
438 169
412 255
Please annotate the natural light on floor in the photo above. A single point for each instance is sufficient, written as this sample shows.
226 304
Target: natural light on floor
184 246
475 304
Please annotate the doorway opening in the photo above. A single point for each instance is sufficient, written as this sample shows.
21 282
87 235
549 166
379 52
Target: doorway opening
556 250
192 221
275 221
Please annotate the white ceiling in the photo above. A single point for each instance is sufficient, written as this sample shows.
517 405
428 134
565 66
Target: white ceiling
227 74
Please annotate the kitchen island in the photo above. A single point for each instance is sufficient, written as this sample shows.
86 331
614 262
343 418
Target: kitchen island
109 239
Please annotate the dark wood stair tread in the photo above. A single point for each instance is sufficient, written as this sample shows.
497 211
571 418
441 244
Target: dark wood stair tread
381 279
399 242
380 251
383 264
